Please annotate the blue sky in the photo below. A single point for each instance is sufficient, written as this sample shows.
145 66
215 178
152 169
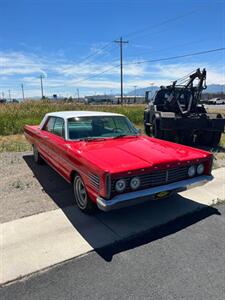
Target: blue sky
55 37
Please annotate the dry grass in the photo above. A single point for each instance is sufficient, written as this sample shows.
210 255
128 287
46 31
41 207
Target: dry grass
217 110
222 141
14 143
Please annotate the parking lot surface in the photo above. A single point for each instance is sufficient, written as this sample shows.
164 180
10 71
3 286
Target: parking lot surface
184 260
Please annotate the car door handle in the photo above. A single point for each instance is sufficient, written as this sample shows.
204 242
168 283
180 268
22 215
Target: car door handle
45 137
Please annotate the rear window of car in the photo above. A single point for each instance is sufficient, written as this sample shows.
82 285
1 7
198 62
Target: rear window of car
56 126
59 127
49 125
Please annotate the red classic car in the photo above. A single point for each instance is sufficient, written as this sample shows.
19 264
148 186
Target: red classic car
110 163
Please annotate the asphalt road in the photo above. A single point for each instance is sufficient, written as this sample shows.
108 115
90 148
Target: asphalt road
183 260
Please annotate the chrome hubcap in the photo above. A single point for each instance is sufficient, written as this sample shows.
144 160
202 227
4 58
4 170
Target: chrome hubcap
80 193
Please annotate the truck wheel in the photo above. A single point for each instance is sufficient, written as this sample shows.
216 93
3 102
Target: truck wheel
147 130
81 197
167 135
157 132
216 138
204 138
209 138
37 157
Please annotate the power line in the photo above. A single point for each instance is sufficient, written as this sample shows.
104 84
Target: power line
176 57
96 75
169 20
95 53
161 23
153 60
140 31
169 48
99 51
133 34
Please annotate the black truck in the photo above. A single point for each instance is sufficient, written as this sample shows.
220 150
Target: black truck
175 113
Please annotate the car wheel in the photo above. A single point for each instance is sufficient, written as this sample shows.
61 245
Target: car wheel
37 158
81 197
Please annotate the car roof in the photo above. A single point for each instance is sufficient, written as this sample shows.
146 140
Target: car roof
74 114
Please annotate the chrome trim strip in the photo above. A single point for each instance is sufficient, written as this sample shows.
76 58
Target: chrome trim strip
132 198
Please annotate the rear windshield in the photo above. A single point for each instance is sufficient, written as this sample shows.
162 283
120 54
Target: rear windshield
99 127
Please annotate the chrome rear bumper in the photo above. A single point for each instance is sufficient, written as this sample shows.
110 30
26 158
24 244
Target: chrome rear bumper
140 196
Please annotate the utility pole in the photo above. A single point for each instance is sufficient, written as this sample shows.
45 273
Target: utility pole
22 91
42 93
121 42
78 95
9 95
135 94
151 84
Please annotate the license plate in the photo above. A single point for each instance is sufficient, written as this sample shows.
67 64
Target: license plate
161 195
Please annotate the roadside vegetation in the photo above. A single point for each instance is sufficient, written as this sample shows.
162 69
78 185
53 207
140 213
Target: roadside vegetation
14 116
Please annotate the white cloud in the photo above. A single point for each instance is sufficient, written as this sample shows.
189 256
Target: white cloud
65 76
15 63
176 71
87 70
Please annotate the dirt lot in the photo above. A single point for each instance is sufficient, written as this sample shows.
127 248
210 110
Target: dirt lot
27 188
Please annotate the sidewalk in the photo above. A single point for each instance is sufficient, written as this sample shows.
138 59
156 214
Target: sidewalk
37 242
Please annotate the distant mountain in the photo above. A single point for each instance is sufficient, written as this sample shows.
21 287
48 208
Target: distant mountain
215 88
141 92
211 88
